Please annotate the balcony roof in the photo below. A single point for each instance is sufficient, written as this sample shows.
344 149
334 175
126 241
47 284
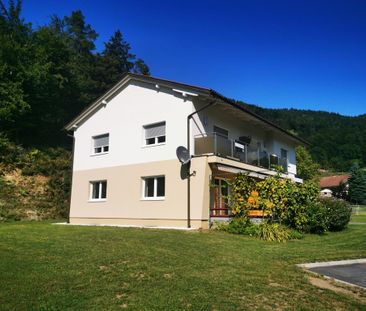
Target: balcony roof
187 90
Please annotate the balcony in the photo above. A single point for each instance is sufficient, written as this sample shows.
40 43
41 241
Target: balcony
219 145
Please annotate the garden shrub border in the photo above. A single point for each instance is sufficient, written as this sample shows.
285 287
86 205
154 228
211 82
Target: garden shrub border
294 209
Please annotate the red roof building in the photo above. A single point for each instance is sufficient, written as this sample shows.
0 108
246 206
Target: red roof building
333 181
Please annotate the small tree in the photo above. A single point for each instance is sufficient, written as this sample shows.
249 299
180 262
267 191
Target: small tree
307 169
357 185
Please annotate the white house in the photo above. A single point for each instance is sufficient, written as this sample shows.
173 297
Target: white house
125 168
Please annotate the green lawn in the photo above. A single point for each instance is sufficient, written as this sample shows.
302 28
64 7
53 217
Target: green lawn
358 213
51 267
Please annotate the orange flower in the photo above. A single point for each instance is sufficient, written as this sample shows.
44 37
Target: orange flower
254 194
251 200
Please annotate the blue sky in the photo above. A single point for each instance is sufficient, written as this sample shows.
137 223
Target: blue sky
276 54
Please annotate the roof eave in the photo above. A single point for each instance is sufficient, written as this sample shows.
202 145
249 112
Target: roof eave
72 125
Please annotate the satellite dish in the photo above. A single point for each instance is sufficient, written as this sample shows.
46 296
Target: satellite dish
183 155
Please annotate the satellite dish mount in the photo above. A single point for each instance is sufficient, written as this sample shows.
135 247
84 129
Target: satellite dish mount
185 159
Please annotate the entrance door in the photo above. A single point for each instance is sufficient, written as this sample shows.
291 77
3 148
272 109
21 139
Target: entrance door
221 191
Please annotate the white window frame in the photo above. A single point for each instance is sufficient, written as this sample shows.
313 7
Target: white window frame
91 185
93 152
156 143
155 197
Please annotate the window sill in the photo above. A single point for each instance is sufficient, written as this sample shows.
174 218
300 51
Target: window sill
153 145
97 200
98 154
153 199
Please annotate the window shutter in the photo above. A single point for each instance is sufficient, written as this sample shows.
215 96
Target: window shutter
155 130
102 140
220 131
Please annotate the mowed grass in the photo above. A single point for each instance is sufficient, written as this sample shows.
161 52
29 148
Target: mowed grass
358 213
52 267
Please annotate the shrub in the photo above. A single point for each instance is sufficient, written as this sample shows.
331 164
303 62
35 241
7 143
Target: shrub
317 218
239 226
295 235
265 231
40 184
240 190
338 213
8 215
273 232
9 153
298 199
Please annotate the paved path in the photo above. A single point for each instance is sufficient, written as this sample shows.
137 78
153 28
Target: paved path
354 273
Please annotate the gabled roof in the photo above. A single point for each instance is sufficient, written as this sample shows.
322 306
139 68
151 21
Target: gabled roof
200 91
333 181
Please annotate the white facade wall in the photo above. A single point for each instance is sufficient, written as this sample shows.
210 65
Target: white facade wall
123 118
140 104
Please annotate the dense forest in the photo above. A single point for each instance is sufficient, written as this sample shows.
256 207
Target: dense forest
48 74
336 141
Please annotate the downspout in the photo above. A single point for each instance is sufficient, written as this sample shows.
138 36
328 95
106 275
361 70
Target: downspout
189 117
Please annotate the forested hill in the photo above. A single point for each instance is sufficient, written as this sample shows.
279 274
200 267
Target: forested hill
49 73
336 141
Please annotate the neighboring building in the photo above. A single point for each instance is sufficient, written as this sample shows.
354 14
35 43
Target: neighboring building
337 185
326 193
125 169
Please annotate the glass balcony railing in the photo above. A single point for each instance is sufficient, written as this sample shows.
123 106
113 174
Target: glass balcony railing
237 150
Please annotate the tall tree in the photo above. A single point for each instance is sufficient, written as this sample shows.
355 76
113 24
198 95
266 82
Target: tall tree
115 60
14 57
357 185
49 74
81 37
117 52
80 34
141 67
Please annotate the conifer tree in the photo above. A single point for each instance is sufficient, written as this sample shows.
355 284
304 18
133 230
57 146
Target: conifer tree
357 185
115 60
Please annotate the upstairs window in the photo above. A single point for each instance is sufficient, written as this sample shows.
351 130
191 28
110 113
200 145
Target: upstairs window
221 132
101 144
154 133
154 187
98 190
283 153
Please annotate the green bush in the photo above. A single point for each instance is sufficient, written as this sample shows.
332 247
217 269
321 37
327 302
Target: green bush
238 225
273 232
265 231
317 218
295 235
8 215
24 198
9 153
338 213
298 199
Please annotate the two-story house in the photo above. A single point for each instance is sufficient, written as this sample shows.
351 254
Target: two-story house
125 168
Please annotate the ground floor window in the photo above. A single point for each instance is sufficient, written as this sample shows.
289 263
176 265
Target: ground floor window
153 187
220 198
98 190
